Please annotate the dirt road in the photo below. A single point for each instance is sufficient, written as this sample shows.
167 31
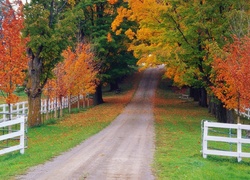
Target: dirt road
124 150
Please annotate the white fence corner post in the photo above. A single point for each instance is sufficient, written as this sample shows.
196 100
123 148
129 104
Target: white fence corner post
22 137
204 144
239 147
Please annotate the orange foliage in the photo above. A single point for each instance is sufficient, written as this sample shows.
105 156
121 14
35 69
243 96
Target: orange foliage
109 37
232 75
85 69
76 75
112 1
13 60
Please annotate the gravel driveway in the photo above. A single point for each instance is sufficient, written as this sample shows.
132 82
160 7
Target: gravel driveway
123 150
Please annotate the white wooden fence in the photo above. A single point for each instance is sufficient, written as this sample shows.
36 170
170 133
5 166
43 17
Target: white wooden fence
238 140
13 134
46 106
10 115
53 104
15 110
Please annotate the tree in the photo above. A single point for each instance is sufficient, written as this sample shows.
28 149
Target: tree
178 34
51 27
86 71
80 70
114 61
232 75
13 59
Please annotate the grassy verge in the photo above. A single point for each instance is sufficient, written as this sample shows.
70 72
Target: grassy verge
178 143
48 141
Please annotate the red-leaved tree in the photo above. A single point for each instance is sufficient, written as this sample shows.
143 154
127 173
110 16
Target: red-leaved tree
13 59
232 75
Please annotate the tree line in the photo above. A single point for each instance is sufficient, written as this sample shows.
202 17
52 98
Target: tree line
204 45
76 46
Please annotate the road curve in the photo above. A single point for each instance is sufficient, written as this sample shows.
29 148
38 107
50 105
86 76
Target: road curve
123 150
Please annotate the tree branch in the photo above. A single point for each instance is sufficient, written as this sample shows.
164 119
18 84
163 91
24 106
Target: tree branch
179 29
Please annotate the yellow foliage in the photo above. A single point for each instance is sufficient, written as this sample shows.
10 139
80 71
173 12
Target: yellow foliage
122 13
130 34
109 37
177 74
118 32
72 2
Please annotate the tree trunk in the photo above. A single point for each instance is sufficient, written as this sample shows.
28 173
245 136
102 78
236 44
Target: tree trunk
34 114
47 108
84 102
194 93
230 116
221 113
69 102
217 109
34 88
55 108
114 86
212 105
98 95
61 106
203 97
78 102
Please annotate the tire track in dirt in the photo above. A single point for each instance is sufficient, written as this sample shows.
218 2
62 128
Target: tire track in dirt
123 150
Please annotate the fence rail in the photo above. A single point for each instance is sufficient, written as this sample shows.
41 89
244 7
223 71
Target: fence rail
238 140
47 105
13 134
10 115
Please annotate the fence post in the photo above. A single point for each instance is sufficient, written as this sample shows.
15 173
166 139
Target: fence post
17 108
204 143
239 148
23 107
11 110
4 112
22 129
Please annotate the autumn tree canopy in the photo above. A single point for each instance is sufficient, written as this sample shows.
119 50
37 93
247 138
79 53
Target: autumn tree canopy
51 26
110 49
179 34
75 75
183 35
231 78
80 70
13 59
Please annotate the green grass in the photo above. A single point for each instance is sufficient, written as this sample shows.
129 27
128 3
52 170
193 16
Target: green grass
178 143
178 140
58 135
44 143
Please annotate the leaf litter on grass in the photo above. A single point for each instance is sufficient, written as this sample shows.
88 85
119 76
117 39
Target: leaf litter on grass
48 141
178 136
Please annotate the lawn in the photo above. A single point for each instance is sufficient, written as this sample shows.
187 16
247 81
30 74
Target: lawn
50 140
178 142
178 138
